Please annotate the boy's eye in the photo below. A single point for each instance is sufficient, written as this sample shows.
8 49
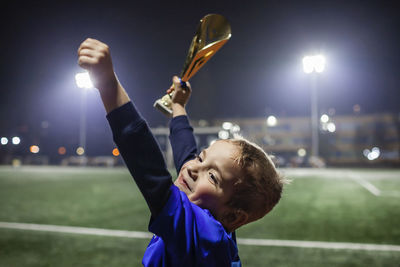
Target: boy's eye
199 158
213 178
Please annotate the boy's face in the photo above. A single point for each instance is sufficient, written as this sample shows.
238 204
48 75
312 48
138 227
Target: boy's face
208 180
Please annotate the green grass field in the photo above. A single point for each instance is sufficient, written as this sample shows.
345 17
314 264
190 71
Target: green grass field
319 205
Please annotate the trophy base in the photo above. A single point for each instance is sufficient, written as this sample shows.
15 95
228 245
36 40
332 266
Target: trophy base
163 108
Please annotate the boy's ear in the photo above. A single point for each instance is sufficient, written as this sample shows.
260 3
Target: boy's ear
235 219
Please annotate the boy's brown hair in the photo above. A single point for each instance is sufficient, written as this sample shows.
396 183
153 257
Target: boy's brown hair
260 186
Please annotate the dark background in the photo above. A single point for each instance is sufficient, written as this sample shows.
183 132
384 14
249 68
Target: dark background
257 73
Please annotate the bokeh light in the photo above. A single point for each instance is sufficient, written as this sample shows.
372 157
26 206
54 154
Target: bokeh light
62 150
223 134
324 118
272 121
115 152
301 152
356 108
331 127
372 154
227 125
34 149
4 141
80 151
16 140
235 128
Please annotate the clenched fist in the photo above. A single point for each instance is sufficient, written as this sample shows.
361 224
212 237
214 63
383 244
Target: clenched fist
94 56
180 95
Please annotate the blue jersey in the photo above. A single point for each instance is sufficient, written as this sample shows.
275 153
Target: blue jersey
184 233
187 235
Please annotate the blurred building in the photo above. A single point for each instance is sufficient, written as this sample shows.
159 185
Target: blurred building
343 140
353 140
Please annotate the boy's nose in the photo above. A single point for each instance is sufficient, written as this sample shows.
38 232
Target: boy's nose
192 173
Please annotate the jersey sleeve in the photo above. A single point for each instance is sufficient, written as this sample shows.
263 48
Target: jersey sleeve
191 235
142 155
182 140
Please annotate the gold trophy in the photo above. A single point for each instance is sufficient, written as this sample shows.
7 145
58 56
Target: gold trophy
212 33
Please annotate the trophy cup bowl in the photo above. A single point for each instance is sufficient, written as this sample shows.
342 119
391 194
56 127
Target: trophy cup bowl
212 33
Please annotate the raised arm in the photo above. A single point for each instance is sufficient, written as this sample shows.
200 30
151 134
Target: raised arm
131 133
182 139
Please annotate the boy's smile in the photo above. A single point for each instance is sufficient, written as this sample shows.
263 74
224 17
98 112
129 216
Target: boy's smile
208 179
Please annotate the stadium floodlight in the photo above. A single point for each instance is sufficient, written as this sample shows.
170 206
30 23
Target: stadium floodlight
4 141
319 63
315 63
272 121
83 80
16 140
308 66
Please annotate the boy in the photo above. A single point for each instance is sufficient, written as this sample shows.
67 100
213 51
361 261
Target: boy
229 184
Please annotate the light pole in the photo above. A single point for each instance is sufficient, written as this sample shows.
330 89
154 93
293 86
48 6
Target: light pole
314 65
83 81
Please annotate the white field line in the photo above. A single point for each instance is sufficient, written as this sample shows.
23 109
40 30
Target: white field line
316 244
371 188
75 230
241 241
367 185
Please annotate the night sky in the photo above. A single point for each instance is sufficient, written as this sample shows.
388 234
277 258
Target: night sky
257 73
